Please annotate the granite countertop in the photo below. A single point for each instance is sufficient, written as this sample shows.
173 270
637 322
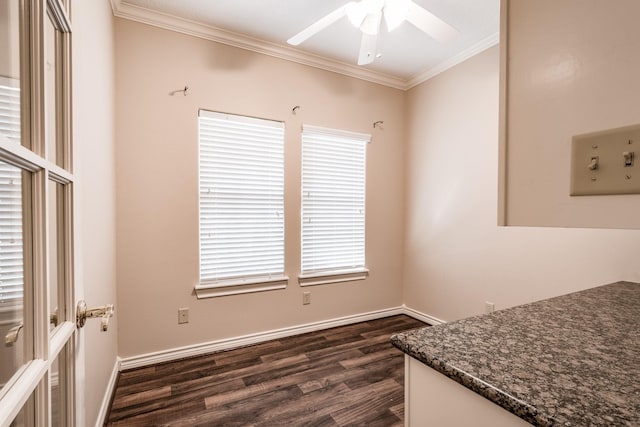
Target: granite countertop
572 360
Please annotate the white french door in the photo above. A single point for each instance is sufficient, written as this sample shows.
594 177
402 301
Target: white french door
37 293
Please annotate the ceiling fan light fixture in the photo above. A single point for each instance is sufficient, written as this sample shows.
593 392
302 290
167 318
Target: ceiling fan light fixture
395 13
356 13
372 6
367 16
371 24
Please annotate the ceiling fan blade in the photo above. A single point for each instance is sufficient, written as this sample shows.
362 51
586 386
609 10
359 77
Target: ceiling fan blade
430 24
319 25
367 49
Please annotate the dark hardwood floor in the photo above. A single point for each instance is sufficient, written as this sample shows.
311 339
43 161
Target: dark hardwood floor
345 376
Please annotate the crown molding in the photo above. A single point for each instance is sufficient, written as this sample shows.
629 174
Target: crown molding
157 19
196 29
473 50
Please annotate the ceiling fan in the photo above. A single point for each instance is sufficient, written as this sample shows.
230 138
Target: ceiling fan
367 16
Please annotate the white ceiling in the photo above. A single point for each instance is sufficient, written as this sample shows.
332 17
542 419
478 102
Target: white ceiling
408 55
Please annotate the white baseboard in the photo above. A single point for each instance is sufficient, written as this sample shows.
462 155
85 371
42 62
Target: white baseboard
108 394
147 359
426 318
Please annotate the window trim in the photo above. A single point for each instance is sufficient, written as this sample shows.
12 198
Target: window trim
337 275
240 286
211 288
333 276
336 132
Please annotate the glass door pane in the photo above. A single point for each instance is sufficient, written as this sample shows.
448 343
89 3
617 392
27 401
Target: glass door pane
12 350
56 254
21 419
58 384
26 416
52 87
10 71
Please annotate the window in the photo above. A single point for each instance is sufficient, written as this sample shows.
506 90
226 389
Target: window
11 274
333 205
241 204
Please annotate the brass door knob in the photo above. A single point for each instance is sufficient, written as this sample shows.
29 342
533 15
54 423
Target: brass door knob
105 312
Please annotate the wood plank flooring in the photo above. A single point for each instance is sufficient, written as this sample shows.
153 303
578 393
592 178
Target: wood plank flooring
345 376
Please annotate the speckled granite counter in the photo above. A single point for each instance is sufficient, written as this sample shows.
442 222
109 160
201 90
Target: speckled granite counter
573 360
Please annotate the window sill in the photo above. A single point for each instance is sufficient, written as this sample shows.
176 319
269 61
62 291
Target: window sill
240 286
336 276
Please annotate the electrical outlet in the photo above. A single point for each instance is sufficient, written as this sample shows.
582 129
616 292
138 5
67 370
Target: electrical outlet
183 315
306 298
489 307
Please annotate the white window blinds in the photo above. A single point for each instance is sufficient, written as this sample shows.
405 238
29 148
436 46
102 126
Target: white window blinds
333 200
11 263
11 270
9 110
241 197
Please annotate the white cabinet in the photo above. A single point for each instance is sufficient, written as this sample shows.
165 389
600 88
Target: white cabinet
432 399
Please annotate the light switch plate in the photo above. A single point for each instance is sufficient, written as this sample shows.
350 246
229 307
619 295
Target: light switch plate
598 162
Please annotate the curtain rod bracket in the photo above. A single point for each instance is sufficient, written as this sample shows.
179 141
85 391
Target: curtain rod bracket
295 109
378 124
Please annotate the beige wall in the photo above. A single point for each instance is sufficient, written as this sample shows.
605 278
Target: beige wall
456 258
157 187
93 133
432 168
573 69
